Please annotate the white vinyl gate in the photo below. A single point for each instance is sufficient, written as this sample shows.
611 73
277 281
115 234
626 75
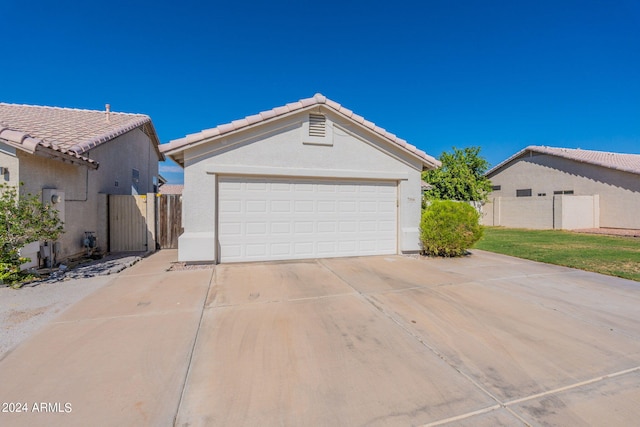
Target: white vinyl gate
262 219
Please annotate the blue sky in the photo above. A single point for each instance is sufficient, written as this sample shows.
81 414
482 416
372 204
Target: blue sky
498 74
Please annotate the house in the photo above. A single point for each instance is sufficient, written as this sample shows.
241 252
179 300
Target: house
563 188
74 158
171 189
310 179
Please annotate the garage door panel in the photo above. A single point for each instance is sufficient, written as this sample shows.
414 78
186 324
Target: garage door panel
280 228
327 227
281 206
303 206
304 248
347 226
347 247
384 226
233 206
347 206
230 229
256 228
256 250
326 206
366 226
277 219
327 188
256 206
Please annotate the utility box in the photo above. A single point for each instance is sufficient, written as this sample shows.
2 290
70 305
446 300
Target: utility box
55 198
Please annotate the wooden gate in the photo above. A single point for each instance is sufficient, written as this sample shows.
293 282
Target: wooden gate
169 220
128 224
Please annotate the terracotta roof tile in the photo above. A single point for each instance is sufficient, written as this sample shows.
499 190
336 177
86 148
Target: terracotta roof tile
267 114
254 119
179 144
210 132
171 189
618 161
333 104
65 130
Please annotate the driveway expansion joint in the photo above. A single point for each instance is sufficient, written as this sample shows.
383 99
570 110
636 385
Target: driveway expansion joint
124 316
183 387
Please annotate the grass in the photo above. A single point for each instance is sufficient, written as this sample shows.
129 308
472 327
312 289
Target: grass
614 256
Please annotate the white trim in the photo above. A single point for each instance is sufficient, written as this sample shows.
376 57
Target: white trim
268 171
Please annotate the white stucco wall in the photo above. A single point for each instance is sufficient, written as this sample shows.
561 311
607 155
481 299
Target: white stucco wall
281 149
619 192
84 188
9 160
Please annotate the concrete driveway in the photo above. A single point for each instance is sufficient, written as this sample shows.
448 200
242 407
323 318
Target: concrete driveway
482 340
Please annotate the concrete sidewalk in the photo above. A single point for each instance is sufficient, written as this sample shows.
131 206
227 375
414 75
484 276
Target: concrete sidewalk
102 360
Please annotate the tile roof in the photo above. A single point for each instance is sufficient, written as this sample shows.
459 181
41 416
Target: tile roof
171 189
66 131
618 161
178 145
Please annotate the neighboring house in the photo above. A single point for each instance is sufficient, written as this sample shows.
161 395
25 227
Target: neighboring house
78 156
545 187
171 189
310 179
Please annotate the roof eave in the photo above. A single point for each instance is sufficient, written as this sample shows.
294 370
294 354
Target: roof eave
150 131
502 164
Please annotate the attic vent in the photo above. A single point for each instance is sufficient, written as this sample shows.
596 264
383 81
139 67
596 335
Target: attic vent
317 125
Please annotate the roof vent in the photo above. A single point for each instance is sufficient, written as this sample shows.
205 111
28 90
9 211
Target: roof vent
317 125
108 108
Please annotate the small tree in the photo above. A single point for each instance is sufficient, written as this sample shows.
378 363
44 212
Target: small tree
449 228
23 219
461 177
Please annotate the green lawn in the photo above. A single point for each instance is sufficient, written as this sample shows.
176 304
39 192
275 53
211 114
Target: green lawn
615 256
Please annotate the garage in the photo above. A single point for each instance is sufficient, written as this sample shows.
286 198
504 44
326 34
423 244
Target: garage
263 219
309 179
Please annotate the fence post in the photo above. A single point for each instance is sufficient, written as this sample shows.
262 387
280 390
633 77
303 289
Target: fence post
151 222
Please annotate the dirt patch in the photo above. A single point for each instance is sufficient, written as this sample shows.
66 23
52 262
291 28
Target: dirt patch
181 266
15 317
624 232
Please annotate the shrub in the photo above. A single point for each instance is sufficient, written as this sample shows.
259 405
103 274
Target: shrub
449 228
23 219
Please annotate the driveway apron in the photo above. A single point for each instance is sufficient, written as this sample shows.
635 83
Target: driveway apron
483 340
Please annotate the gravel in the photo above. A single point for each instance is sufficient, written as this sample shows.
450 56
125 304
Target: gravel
26 310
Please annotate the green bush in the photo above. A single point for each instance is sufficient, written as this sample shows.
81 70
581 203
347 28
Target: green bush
23 219
449 228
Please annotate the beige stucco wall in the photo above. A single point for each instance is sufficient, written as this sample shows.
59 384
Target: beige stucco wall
526 212
544 213
619 192
117 159
279 149
574 212
84 189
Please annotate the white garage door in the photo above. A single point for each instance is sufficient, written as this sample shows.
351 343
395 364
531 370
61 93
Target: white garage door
262 219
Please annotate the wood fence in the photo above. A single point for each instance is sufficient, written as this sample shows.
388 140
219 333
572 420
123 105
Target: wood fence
169 220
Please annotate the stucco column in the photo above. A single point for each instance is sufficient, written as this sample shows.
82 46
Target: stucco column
198 242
